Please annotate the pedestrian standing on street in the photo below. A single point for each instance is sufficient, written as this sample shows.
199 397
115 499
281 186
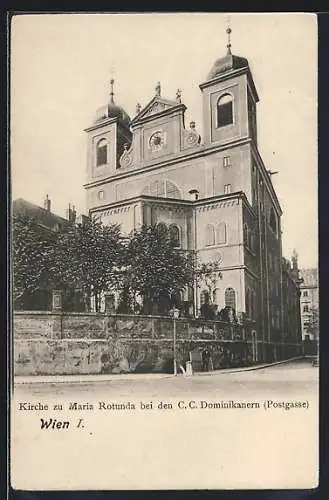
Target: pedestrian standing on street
205 359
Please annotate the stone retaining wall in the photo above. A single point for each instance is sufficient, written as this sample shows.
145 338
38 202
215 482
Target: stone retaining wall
82 343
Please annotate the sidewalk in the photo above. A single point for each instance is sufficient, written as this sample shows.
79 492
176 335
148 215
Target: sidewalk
223 371
87 378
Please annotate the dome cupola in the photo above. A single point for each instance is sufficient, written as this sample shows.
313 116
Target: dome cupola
227 63
112 110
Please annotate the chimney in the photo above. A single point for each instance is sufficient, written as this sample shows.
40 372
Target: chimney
47 203
71 214
294 260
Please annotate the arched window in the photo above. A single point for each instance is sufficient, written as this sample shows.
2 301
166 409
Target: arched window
204 297
101 152
172 190
221 233
245 234
273 222
305 309
215 296
174 235
248 302
163 189
224 110
230 298
162 229
210 235
253 305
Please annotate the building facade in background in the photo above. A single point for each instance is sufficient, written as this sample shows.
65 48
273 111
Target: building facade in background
309 304
46 226
213 193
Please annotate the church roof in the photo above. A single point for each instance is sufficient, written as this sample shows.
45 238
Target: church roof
112 110
227 63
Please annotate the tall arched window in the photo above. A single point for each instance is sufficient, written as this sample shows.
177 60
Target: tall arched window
253 304
204 297
215 296
245 234
230 298
251 239
221 233
101 152
248 303
273 221
174 235
210 235
162 228
224 110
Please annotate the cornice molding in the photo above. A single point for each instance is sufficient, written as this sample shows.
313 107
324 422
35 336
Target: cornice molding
199 152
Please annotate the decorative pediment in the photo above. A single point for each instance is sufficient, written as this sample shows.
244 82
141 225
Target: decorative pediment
155 106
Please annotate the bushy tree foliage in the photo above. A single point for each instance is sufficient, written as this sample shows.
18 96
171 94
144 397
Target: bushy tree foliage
88 257
31 249
154 267
207 274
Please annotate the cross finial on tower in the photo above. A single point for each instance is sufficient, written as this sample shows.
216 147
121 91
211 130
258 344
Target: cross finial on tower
111 91
228 31
158 89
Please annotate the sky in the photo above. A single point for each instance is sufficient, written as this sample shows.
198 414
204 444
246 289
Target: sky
61 66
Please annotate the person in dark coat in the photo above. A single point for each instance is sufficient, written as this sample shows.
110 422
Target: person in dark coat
205 359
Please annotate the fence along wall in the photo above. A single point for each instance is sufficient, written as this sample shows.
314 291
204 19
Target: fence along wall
80 343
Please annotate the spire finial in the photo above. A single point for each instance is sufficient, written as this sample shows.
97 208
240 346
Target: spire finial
179 95
228 31
111 91
158 89
138 108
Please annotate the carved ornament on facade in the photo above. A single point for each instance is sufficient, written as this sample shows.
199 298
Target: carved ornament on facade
126 159
114 211
156 108
222 204
191 137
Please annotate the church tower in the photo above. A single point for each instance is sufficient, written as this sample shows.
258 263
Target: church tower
107 138
229 100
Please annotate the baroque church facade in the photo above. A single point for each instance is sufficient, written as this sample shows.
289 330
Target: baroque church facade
213 193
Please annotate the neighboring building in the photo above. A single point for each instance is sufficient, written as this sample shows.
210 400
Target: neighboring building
309 304
46 221
213 193
291 321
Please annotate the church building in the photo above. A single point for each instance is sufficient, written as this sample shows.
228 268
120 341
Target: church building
213 193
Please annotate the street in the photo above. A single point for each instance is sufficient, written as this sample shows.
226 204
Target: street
288 379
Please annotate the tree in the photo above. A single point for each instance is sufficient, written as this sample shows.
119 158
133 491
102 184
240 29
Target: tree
207 274
155 269
89 257
31 250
